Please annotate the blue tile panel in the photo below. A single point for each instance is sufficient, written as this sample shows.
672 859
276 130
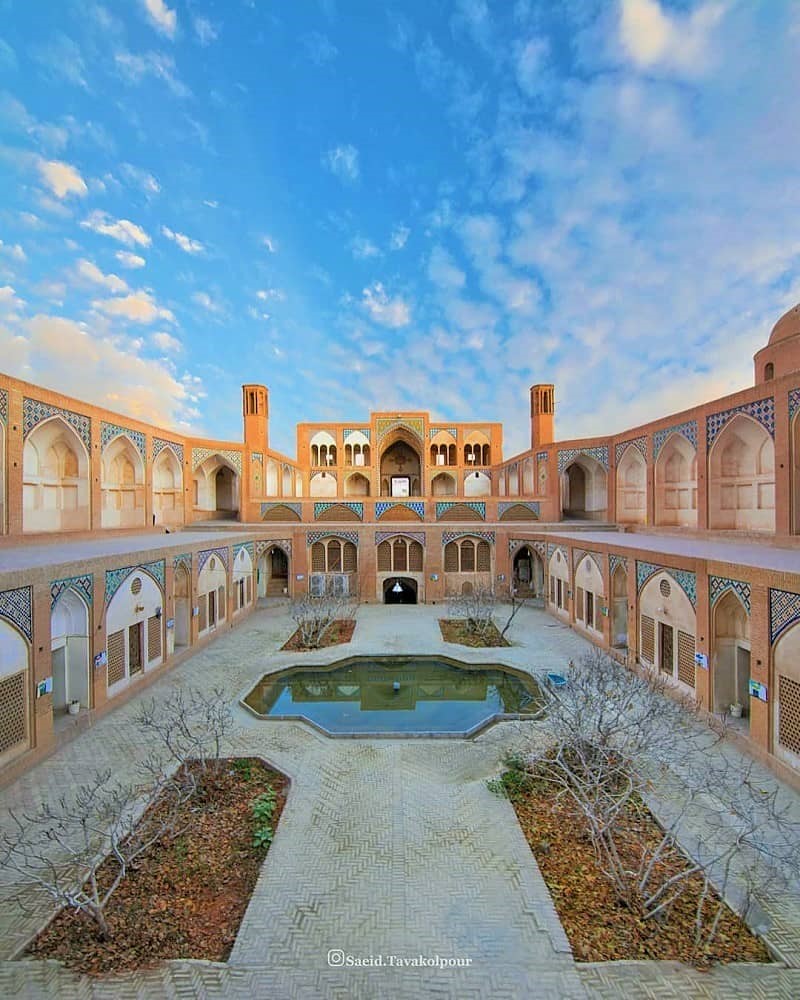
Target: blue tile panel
718 585
418 506
565 456
639 443
16 606
443 506
221 552
451 536
34 412
320 508
382 536
532 505
316 536
687 429
762 410
685 579
115 577
159 444
84 585
109 431
784 612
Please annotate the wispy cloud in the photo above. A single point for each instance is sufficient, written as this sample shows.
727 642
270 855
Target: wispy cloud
122 230
13 250
89 271
394 313
166 342
652 38
343 162
363 248
186 243
142 179
61 178
205 31
205 301
61 60
269 244
130 260
164 19
138 307
399 237
156 64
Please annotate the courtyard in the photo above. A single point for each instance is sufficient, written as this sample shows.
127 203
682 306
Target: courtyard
385 848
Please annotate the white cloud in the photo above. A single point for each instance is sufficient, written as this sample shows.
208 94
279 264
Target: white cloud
186 243
141 178
138 307
530 61
206 32
268 294
101 367
128 259
166 342
136 67
91 272
9 301
651 37
204 300
269 243
122 230
62 178
362 248
12 250
393 313
442 270
163 18
210 204
399 237
342 161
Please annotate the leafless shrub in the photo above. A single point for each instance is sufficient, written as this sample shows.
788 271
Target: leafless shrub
313 615
476 608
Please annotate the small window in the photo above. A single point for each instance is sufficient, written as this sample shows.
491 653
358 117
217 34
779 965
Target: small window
769 372
136 585
665 588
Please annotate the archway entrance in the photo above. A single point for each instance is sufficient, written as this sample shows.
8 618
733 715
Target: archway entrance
273 573
182 592
400 470
528 573
400 590
69 644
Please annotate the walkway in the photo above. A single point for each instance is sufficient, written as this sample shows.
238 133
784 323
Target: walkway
386 847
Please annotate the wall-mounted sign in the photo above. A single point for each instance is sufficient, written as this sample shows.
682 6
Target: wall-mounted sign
101 660
501 577
701 660
300 576
170 623
758 690
434 577
604 610
195 612
44 687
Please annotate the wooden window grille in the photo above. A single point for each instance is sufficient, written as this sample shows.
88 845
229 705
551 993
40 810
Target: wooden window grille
415 557
467 557
116 657
318 557
484 557
13 714
153 638
686 658
789 714
220 603
648 639
384 558
399 556
451 558
334 556
349 558
203 617
579 604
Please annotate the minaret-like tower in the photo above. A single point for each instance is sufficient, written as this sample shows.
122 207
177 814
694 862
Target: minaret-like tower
542 415
255 408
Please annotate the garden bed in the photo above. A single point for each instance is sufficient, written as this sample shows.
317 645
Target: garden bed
457 631
339 632
186 897
598 925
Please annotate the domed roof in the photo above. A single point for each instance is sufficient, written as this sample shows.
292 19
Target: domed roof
787 326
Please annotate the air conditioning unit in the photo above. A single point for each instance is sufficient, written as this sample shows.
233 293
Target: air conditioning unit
358 458
316 584
341 585
440 459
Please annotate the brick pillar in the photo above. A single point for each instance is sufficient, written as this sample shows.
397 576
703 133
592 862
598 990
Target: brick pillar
702 474
783 470
14 447
760 665
95 477
702 642
633 613
650 497
42 736
98 641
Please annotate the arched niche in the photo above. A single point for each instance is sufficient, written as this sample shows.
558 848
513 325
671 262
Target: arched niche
528 572
558 574
323 484
122 484
243 571
619 607
134 629
212 594
273 573
676 483
69 651
741 477
632 487
730 660
356 485
589 593
216 487
55 483
400 467
477 484
528 478
584 489
14 691
182 605
167 488
667 624
443 485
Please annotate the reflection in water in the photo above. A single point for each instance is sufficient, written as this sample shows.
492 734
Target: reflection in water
394 694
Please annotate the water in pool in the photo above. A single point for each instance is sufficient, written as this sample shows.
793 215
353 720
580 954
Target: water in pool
395 695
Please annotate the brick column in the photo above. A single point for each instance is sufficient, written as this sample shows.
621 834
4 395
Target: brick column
783 470
702 642
42 736
760 665
14 448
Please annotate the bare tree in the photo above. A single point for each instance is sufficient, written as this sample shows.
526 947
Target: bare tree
313 615
616 740
78 851
476 608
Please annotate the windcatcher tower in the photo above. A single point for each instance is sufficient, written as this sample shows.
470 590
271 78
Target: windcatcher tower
542 415
255 408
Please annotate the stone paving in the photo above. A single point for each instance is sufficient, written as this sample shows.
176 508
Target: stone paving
385 847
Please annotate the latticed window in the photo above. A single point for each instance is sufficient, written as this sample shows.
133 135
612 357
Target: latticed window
579 604
318 557
484 557
648 639
384 558
789 714
349 558
467 557
13 715
334 556
400 556
153 638
116 657
220 602
415 557
451 558
686 658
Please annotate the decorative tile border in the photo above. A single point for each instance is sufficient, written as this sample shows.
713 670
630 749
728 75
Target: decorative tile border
451 536
442 506
687 429
794 403
719 585
221 552
247 546
685 579
578 555
541 456
34 412
256 456
418 506
383 536
199 455
532 505
320 508
615 560
280 543
316 536
762 410
415 425
16 606
784 611
599 453
267 507
639 443
184 559
109 431
83 584
4 406
433 431
366 431
116 577
518 543
159 444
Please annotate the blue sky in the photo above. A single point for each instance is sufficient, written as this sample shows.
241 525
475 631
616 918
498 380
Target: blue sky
374 206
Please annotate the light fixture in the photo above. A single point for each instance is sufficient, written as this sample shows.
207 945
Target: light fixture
397 588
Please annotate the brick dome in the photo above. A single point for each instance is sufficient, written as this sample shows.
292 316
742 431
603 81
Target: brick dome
787 326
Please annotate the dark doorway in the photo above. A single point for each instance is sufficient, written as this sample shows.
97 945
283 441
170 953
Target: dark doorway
666 648
135 649
400 590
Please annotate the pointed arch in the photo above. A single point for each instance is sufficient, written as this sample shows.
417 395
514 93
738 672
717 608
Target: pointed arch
443 485
356 485
741 477
400 464
589 592
134 628
584 489
323 484
69 650
730 658
167 488
619 606
55 484
181 602
528 478
676 482
477 484
667 628
216 487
